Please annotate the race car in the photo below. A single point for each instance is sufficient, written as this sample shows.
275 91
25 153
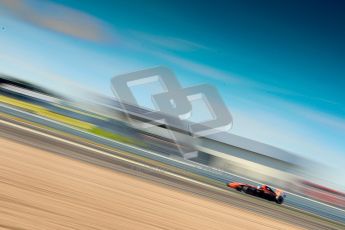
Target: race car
262 191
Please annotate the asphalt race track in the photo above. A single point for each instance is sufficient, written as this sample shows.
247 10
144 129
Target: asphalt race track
128 196
189 169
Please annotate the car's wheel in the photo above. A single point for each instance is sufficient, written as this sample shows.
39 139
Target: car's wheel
279 200
239 188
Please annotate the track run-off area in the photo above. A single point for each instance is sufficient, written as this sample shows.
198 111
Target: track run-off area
51 183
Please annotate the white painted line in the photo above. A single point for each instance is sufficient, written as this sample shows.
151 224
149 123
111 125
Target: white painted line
125 159
110 155
194 165
293 194
161 156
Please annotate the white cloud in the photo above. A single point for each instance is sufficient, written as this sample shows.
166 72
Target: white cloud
201 69
326 119
59 18
171 43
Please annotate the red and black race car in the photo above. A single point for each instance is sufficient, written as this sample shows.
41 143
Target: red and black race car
262 191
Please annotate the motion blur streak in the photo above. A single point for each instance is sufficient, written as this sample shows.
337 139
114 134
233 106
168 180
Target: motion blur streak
41 190
73 186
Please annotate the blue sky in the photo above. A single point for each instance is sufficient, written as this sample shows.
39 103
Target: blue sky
279 66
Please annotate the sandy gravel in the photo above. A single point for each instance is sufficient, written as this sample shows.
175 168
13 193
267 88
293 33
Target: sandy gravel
41 190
